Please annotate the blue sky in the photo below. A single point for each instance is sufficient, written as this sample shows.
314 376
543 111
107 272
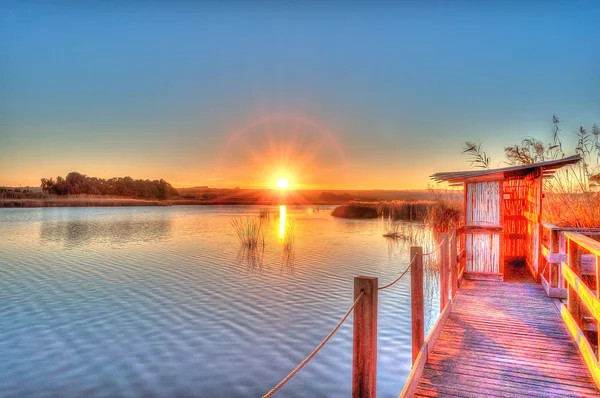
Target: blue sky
360 95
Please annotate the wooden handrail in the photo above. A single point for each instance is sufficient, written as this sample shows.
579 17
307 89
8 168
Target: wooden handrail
580 297
589 244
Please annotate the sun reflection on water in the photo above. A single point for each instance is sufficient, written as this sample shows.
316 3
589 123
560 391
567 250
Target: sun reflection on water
282 220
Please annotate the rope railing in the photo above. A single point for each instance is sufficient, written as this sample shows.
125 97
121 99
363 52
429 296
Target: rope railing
365 331
400 277
316 350
437 248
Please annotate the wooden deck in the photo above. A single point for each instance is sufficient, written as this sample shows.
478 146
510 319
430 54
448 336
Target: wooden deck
505 340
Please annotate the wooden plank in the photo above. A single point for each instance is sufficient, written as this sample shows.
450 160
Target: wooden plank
588 261
484 229
554 292
415 374
482 276
502 339
436 331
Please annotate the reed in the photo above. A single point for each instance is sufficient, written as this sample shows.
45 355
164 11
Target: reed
289 237
249 230
266 213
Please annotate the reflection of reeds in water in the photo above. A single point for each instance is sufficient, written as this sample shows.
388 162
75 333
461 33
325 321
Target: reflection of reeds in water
251 258
266 213
250 231
289 236
289 242
407 234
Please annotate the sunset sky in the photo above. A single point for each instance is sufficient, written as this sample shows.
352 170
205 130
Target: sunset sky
325 94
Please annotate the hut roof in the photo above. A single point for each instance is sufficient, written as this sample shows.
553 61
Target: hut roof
548 168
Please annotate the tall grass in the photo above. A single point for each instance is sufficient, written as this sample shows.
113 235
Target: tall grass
249 230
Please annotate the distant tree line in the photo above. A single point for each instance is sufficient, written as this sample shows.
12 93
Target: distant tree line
20 193
75 183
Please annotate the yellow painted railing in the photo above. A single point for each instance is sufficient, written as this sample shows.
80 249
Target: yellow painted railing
583 302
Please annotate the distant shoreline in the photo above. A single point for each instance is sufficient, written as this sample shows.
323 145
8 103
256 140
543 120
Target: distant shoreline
39 203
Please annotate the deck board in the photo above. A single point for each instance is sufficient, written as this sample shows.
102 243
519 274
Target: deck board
505 340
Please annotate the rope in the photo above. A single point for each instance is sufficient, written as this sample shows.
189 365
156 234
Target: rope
437 248
316 350
400 277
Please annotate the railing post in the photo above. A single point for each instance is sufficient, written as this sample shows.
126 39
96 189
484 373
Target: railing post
553 278
444 261
574 258
454 262
416 294
364 358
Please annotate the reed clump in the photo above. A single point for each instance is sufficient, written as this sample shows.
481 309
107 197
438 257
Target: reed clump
266 213
441 214
576 210
250 231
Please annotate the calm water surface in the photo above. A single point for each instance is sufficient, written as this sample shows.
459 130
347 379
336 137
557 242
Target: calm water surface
162 301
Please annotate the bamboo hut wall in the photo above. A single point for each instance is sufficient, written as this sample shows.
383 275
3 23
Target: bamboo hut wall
533 209
483 253
483 203
515 223
483 208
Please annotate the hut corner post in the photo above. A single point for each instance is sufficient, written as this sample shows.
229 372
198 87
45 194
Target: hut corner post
364 356
417 301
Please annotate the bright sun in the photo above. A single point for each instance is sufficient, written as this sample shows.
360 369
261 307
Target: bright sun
282 183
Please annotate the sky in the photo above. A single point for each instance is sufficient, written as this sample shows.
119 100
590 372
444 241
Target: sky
331 94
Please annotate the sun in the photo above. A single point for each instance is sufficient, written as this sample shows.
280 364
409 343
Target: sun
282 183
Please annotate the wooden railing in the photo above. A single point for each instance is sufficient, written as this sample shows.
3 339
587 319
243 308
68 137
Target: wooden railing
365 308
554 251
582 313
450 277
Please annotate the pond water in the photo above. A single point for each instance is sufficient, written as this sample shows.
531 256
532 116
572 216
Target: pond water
164 301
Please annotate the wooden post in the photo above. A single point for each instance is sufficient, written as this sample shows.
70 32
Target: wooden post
554 279
364 358
574 258
416 294
444 261
454 263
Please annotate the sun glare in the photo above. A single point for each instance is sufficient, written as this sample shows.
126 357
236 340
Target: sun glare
282 183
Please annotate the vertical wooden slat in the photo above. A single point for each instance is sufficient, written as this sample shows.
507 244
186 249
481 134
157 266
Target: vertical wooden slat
454 263
364 352
444 262
574 258
417 302
554 267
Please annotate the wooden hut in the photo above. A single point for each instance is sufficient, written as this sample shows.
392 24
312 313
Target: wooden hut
502 216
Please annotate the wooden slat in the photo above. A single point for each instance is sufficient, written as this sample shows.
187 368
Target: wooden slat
504 339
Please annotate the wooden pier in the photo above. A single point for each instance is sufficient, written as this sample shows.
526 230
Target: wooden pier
505 328
504 339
